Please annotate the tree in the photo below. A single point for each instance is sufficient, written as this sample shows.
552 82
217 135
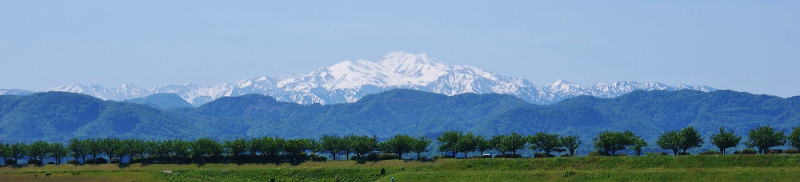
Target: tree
162 149
570 143
79 149
255 145
448 141
136 147
347 145
399 144
58 151
690 138
671 141
466 144
362 144
93 147
332 144
18 150
513 142
794 138
295 147
482 144
724 140
420 145
497 143
4 152
236 147
764 138
638 144
181 149
206 147
271 146
111 147
545 142
609 141
39 150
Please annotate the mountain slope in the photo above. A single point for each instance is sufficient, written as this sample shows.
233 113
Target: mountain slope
59 115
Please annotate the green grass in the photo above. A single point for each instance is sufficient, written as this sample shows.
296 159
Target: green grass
645 168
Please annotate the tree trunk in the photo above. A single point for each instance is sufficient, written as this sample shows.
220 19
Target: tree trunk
334 155
418 154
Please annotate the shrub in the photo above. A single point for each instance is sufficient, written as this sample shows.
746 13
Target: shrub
34 161
97 161
317 158
775 151
73 161
684 153
542 155
382 156
11 162
596 153
656 153
711 152
566 155
746 151
791 151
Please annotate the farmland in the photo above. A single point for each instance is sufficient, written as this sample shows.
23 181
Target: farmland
779 167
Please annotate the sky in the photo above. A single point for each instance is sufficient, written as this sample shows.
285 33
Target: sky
751 46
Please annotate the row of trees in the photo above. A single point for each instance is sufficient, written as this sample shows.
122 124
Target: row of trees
458 142
761 138
166 151
363 145
276 149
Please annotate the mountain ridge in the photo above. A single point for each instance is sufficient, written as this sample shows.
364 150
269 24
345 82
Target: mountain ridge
62 115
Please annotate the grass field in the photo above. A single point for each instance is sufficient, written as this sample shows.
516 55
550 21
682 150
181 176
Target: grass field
647 168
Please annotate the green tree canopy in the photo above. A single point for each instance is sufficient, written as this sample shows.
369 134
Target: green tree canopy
448 141
764 138
794 138
570 143
725 139
58 151
670 141
610 142
420 145
399 144
467 143
690 138
545 142
39 150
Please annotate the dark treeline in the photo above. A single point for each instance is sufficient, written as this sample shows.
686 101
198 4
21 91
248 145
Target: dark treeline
366 148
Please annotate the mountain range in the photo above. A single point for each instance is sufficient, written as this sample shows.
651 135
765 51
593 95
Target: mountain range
58 116
348 81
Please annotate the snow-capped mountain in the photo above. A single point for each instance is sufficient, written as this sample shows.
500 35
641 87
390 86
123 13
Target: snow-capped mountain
347 81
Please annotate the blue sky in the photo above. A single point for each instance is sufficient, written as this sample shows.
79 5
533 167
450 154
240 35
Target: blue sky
749 46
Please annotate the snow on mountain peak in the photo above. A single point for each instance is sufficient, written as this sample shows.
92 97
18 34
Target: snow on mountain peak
347 81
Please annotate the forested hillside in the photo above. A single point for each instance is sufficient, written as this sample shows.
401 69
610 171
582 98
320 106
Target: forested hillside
58 116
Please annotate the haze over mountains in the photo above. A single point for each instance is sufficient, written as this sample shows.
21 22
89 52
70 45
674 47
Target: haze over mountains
348 81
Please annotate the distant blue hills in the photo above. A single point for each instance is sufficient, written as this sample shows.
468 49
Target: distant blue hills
59 116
